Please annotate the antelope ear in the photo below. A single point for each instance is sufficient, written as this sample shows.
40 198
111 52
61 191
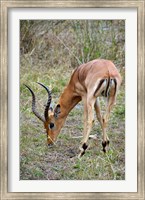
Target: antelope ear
57 111
51 109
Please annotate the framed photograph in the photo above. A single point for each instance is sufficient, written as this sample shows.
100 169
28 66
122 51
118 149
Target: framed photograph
45 46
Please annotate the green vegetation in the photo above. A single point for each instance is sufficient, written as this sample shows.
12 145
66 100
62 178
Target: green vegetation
50 50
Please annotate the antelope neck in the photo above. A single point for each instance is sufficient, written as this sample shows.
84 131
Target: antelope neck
67 102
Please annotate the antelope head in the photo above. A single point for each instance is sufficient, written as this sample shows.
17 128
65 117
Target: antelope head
50 115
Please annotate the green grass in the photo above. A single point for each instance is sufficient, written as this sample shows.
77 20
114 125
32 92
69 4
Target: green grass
60 162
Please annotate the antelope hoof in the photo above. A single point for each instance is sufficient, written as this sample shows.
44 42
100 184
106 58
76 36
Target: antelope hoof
83 149
84 146
105 144
50 144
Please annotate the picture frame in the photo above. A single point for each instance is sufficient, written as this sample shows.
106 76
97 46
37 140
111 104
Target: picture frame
5 5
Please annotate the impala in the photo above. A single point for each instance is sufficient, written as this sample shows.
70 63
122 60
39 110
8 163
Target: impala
88 82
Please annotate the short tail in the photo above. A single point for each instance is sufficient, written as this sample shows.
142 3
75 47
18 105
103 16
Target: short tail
104 86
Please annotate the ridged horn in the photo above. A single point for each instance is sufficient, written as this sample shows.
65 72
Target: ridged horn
48 101
34 105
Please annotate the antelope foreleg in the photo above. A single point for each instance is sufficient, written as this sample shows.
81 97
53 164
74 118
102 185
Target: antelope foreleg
88 124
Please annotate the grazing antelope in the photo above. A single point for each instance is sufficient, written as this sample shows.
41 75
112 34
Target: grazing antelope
88 81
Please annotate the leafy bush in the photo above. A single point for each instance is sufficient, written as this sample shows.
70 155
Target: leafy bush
74 41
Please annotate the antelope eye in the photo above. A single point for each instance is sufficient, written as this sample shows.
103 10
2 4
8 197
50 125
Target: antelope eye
51 125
